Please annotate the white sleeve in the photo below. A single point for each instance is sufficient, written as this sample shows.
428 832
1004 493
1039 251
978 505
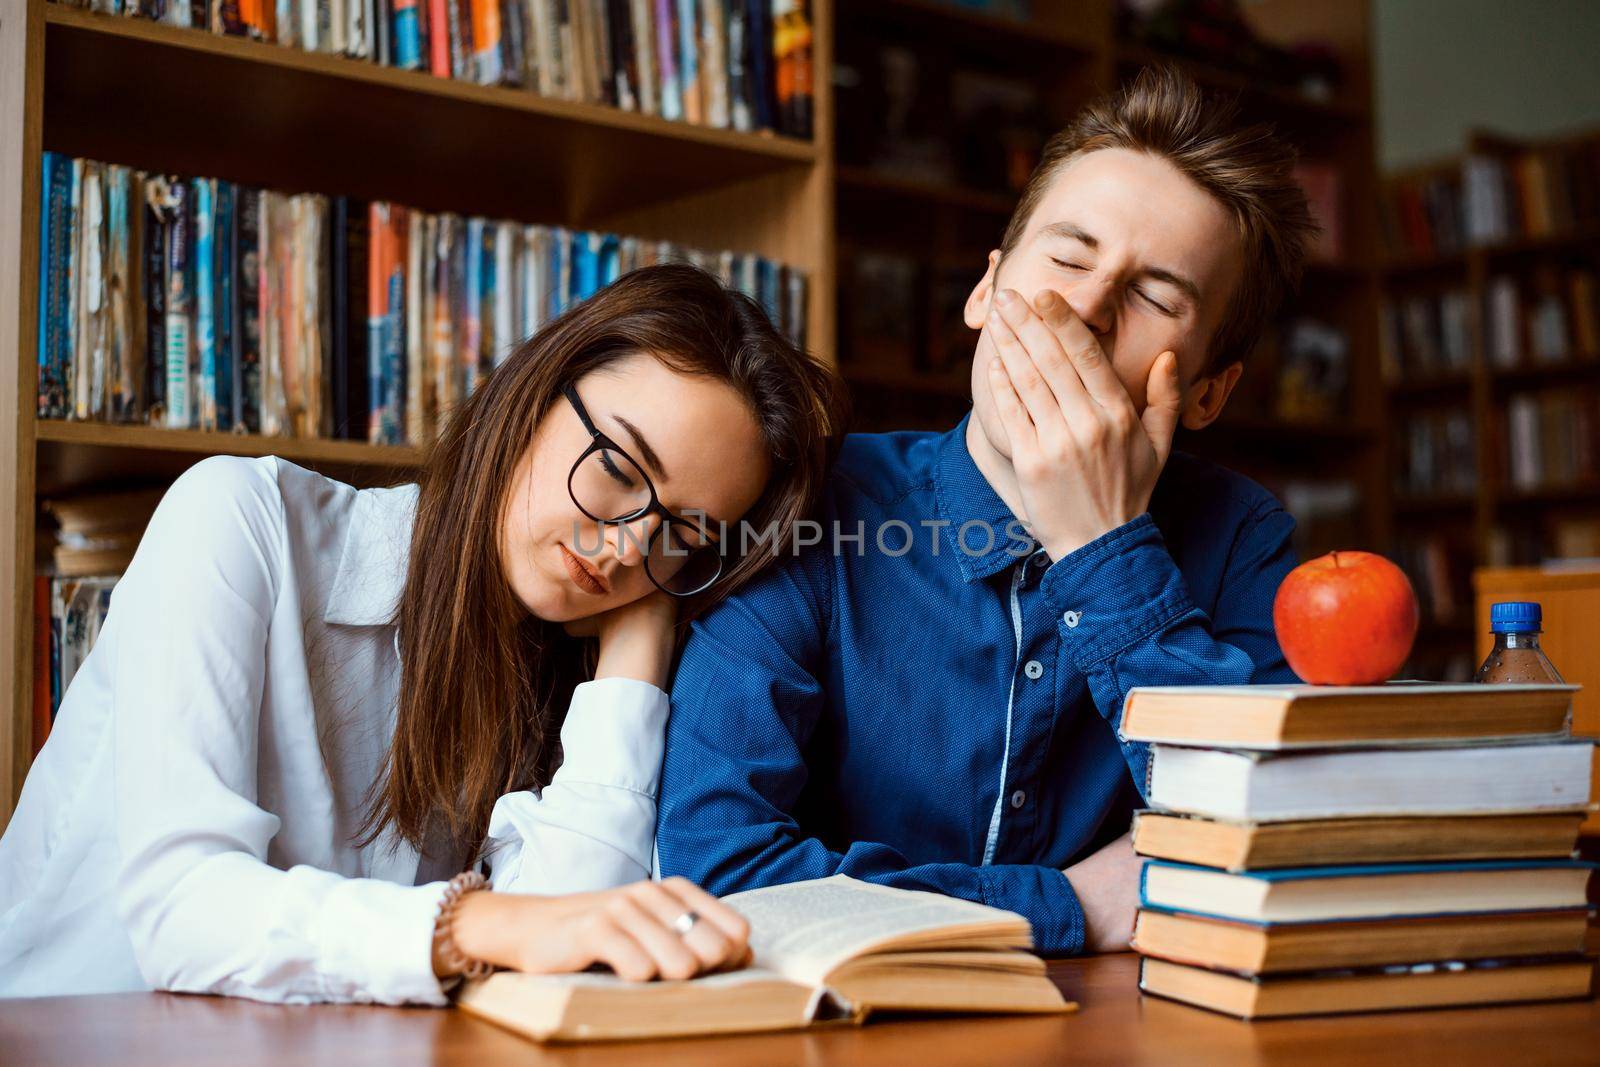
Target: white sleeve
203 908
594 825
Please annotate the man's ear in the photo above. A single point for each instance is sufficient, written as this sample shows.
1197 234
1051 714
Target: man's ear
1207 396
977 307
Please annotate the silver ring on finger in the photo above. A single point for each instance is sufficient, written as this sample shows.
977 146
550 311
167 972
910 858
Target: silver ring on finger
685 922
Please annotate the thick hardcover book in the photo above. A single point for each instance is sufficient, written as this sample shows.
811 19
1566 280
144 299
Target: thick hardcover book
1329 783
1426 986
1374 891
1291 716
1282 948
1238 846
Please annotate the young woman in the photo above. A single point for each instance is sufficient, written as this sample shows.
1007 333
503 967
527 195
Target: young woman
311 706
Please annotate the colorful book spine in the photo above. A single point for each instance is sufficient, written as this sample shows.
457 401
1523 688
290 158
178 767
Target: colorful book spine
180 304
472 295
439 38
688 26
247 363
741 115
124 341
667 59
486 41
506 291
224 330
377 314
55 308
406 35
153 260
643 39
759 49
205 307
394 340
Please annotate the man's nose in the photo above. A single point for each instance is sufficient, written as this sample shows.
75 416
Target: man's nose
1092 300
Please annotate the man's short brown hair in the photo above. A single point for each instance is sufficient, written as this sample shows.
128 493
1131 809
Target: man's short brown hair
1247 169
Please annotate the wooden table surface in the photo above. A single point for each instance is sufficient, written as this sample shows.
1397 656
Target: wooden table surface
1115 1024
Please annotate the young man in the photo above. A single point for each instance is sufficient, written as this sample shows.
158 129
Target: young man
929 697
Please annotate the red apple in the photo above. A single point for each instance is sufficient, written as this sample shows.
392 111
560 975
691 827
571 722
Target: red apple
1347 618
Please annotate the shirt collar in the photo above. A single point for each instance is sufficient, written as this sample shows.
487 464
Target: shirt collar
372 567
965 498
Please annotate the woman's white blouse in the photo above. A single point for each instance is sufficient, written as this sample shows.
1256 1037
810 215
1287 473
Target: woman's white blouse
190 823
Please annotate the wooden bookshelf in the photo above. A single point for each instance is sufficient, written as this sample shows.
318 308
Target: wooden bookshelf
185 101
1497 515
1070 52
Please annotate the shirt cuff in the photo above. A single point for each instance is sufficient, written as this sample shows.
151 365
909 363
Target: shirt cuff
1044 897
383 933
614 734
1114 592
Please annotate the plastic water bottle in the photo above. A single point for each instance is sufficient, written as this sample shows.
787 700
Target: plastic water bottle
1516 656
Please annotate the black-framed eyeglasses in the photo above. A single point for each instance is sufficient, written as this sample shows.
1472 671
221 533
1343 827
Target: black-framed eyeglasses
610 486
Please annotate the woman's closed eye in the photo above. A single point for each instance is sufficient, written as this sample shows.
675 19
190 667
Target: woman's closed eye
617 473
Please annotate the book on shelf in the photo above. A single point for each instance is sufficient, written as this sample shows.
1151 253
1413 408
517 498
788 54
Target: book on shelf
1459 779
828 949
1426 985
1281 948
1321 716
733 64
246 310
1238 846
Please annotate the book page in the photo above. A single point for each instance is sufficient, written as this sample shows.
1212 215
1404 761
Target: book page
806 929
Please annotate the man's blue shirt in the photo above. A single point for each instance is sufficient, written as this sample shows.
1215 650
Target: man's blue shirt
944 717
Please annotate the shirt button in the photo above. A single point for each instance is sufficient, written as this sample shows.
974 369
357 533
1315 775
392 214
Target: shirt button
1018 799
1071 619
1033 668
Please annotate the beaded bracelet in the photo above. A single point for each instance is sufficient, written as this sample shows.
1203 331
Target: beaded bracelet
444 925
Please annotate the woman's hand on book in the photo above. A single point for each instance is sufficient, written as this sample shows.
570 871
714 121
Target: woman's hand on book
631 930
1107 885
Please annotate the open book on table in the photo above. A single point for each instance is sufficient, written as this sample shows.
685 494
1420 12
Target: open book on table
830 949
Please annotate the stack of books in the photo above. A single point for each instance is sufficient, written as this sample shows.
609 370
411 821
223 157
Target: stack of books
1320 849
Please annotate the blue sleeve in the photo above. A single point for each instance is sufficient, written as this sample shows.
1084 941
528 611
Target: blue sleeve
1123 608
745 699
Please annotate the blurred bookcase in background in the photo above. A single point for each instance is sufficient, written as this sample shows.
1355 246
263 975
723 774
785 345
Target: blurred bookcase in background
1490 343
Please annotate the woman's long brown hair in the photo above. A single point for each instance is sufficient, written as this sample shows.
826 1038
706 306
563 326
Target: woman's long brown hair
483 685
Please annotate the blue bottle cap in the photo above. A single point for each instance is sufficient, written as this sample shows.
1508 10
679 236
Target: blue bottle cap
1515 617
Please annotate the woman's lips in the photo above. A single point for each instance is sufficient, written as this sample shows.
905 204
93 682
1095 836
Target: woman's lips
590 581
